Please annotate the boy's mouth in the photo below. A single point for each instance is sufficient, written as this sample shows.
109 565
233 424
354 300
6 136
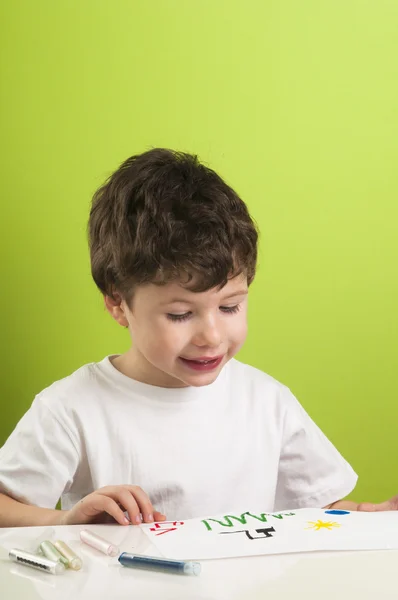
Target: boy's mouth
203 363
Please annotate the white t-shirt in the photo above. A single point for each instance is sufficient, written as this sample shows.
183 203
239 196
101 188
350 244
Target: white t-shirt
242 443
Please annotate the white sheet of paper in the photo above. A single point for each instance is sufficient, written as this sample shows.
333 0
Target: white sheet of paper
249 533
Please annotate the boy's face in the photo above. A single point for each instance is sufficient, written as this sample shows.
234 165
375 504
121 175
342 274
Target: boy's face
182 338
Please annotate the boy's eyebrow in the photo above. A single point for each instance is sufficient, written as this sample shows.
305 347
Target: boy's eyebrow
237 293
186 301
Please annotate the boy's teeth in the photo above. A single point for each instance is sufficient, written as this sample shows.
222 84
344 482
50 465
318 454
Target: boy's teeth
202 362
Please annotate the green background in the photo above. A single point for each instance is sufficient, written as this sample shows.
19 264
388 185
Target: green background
295 103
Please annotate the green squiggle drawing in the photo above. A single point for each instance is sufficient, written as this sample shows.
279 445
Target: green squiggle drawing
242 519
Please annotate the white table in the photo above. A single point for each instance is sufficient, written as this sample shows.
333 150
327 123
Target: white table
320 576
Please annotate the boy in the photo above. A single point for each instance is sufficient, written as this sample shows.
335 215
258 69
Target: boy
175 427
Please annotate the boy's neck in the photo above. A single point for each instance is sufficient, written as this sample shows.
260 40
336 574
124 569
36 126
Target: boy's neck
134 365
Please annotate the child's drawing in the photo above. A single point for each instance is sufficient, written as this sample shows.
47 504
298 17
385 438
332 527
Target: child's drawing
231 520
249 533
317 525
165 527
266 532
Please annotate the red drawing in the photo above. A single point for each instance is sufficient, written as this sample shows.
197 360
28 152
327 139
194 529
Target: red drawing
161 529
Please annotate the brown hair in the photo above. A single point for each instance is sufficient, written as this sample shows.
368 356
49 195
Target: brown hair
164 215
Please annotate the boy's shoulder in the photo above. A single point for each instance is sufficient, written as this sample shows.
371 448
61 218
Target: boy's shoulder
86 382
250 375
257 384
263 395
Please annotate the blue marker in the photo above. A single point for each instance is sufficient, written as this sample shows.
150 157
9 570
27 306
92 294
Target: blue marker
152 563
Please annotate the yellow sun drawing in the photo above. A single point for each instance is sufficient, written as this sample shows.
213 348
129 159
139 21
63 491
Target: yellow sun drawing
317 525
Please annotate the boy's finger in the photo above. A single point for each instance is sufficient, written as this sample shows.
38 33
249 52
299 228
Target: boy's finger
144 503
129 504
159 516
105 504
142 500
366 507
384 506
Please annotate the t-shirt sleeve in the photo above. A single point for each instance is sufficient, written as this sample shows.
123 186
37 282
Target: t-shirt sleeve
312 473
39 459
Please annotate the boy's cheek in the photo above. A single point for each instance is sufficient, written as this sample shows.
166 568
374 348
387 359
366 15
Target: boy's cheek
241 332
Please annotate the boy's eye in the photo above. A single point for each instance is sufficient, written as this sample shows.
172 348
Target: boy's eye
230 309
184 316
181 317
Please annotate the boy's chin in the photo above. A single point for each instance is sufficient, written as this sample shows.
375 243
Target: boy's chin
201 379
203 383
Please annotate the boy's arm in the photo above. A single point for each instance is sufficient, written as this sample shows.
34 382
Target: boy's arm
365 506
17 514
104 505
343 505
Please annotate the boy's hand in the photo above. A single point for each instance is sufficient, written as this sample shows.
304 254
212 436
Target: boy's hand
388 505
112 501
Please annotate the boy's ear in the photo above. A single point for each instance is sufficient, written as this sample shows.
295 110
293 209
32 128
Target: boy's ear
114 306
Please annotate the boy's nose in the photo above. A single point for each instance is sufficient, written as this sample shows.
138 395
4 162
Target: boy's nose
209 336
